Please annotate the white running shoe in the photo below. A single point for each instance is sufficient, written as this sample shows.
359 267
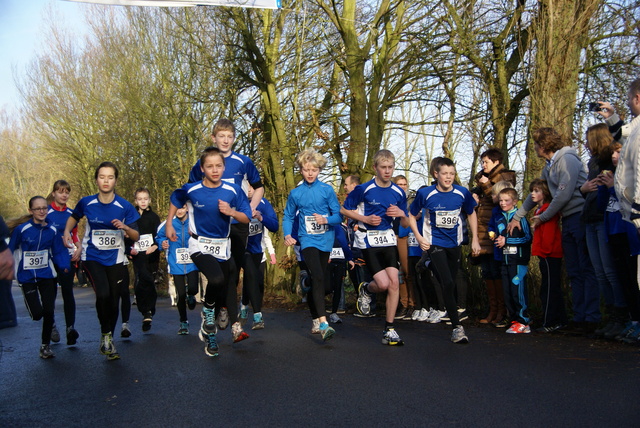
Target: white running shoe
315 329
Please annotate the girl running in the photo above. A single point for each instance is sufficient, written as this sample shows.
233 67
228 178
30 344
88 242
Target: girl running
213 204
38 251
57 217
109 217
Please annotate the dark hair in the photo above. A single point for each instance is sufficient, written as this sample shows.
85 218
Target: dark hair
442 162
107 165
548 139
141 190
211 151
542 186
494 154
634 87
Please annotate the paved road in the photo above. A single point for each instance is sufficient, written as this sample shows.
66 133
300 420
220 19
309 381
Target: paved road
283 376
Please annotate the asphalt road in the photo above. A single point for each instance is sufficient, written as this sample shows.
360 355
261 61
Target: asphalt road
284 376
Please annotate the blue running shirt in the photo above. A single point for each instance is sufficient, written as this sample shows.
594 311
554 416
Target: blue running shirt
103 242
442 225
370 199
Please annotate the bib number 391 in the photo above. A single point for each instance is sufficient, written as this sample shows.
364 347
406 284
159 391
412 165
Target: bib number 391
313 227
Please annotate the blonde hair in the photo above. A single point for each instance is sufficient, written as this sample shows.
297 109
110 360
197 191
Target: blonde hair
382 155
311 156
500 186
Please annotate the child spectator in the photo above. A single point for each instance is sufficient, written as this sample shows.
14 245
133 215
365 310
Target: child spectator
547 245
516 251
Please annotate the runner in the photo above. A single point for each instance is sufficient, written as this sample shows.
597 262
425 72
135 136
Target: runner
57 217
315 204
109 217
38 252
374 204
213 204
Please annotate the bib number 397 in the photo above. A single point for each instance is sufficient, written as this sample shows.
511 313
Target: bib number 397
35 259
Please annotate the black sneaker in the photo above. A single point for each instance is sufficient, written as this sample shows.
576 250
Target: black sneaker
55 334
191 302
46 352
72 335
146 322
400 313
125 332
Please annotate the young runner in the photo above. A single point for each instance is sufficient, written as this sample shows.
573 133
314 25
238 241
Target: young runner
38 252
213 204
442 234
180 265
57 217
315 205
374 204
109 217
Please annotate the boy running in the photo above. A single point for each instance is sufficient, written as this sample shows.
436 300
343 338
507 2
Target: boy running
374 204
441 235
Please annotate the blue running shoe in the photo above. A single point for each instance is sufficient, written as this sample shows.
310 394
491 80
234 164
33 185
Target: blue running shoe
209 321
258 322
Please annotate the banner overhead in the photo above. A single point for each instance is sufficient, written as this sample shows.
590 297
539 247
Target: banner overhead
264 4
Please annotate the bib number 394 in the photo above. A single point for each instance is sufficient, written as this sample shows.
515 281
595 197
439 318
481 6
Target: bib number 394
35 259
381 238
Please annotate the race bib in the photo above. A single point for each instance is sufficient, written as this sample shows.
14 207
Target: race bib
35 259
510 250
412 241
182 256
313 227
336 253
613 205
107 239
381 238
144 243
447 219
217 247
255 227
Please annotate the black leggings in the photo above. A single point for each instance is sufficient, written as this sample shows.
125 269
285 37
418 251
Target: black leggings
145 286
335 277
253 281
222 278
40 299
65 279
107 282
318 264
445 262
185 284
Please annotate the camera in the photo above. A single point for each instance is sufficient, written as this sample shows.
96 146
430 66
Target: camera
594 107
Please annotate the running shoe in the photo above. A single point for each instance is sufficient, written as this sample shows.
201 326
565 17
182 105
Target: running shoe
326 332
550 329
409 315
445 317
146 322
212 344
108 348
369 315
55 334
416 314
238 334
223 319
315 328
258 322
191 302
244 314
458 335
364 299
500 323
436 316
125 332
335 319
184 328
400 313
46 352
390 337
72 335
423 314
517 328
209 321
632 336
301 288
462 314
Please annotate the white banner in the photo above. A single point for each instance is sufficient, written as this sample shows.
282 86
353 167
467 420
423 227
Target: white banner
265 4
